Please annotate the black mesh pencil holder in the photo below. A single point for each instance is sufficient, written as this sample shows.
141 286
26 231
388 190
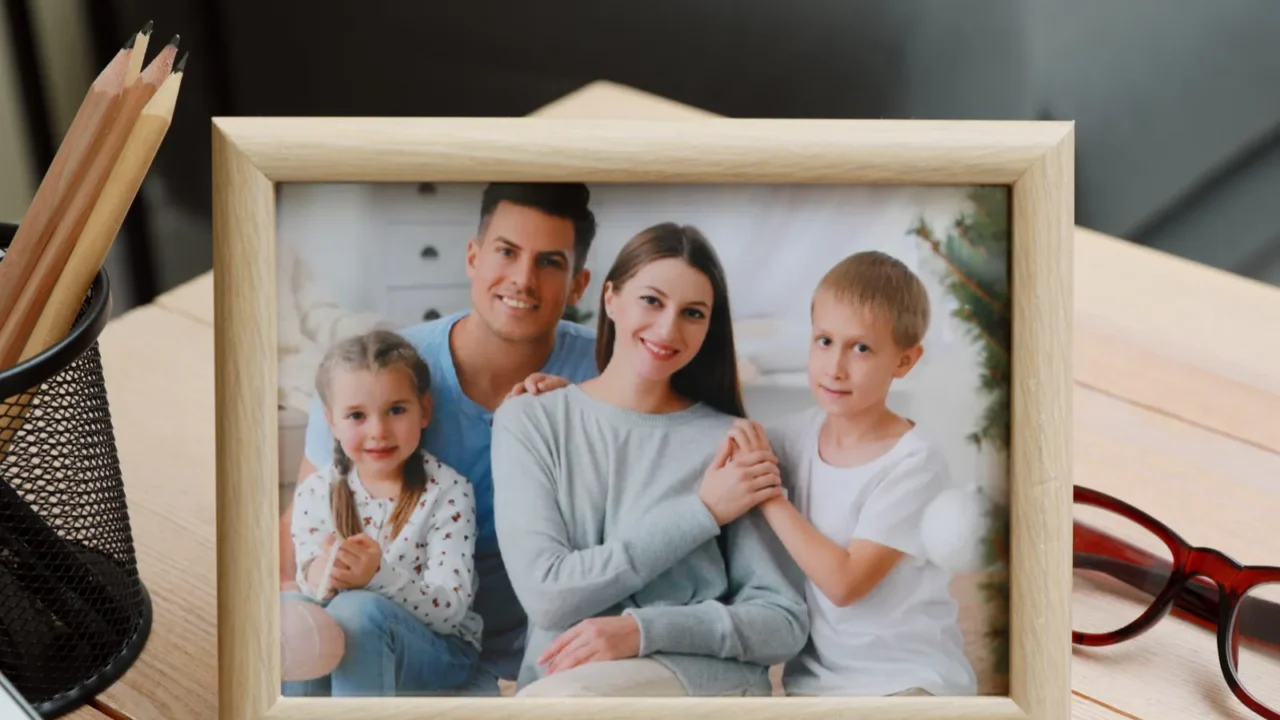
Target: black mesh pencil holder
74 615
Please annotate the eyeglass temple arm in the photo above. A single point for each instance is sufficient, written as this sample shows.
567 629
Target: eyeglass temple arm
1258 619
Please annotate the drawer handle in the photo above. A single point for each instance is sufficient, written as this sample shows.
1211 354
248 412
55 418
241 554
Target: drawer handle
431 314
430 252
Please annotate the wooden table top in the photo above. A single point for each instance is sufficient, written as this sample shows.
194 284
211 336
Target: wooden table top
1177 390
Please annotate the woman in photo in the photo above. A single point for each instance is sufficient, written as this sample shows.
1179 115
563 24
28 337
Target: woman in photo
624 521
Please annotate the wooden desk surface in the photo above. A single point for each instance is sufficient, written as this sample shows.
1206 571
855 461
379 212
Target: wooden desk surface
1177 389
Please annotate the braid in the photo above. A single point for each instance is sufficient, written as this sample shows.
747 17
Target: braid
345 518
415 482
340 459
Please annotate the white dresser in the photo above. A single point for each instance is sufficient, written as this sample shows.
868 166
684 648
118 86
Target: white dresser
421 235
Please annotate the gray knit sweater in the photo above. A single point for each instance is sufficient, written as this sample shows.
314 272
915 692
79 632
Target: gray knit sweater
597 513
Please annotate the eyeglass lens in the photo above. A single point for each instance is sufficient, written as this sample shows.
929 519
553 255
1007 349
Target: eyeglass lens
1255 644
1120 567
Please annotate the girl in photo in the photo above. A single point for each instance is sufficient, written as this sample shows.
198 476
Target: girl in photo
385 535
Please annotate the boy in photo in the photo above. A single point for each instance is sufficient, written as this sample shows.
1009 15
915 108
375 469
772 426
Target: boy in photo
859 478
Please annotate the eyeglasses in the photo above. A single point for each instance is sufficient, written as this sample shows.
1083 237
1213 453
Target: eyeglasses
1131 570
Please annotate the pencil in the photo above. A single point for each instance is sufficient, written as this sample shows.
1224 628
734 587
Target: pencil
35 292
138 53
95 115
95 240
108 215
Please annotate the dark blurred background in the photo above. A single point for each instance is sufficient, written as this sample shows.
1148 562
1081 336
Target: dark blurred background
1177 103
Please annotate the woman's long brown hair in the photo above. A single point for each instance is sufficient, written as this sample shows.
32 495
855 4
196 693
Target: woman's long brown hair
376 350
712 375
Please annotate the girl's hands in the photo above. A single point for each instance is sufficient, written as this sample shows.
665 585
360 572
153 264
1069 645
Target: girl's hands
537 383
732 487
316 568
358 559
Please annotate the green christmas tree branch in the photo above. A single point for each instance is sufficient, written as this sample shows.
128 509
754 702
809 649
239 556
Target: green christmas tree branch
922 230
975 253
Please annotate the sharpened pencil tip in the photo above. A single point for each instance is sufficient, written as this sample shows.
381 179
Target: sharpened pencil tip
174 41
181 64
144 32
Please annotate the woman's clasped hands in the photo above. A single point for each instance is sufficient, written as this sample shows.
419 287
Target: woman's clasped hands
743 474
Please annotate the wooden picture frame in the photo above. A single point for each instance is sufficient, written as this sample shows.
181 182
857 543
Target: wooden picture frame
1034 159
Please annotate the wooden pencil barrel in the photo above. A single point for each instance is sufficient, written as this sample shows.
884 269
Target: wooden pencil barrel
74 613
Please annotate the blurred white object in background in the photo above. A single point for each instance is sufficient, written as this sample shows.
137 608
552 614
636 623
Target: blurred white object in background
954 527
772 345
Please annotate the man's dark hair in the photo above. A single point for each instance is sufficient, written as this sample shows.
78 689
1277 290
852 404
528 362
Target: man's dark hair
565 200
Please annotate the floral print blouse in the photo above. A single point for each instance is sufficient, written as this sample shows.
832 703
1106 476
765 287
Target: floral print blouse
428 569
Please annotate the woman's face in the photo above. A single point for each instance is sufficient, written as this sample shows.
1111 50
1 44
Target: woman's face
661 316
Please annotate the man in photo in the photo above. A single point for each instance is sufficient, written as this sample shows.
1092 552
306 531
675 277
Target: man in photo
526 264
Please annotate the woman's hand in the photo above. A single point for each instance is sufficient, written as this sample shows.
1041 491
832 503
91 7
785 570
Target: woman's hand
748 436
593 640
537 383
732 487
358 559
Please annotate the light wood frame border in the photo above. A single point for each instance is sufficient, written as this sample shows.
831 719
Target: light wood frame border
251 155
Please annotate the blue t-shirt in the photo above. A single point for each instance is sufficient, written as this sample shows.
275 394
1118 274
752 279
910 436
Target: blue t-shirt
458 435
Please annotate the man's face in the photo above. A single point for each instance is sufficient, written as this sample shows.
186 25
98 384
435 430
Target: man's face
521 272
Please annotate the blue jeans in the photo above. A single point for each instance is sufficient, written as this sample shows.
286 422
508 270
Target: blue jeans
391 652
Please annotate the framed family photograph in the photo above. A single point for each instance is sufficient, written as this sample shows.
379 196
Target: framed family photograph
546 417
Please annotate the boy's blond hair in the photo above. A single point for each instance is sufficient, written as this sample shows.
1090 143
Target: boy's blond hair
883 284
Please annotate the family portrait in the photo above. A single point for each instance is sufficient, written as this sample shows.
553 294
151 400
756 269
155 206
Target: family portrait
555 439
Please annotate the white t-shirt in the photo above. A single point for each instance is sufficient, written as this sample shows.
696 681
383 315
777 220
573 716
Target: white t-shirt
904 633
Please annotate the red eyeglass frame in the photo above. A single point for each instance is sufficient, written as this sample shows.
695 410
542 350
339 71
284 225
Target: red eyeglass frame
1182 588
